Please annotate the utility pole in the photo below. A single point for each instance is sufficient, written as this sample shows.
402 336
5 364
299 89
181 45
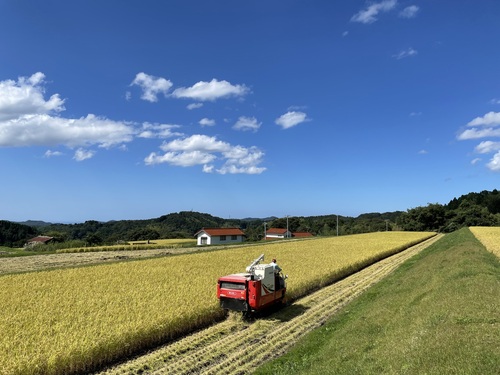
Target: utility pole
337 225
265 231
286 226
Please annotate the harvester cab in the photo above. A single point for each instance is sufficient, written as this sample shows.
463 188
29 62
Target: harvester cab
261 286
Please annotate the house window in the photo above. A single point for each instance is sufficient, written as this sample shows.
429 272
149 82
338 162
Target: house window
222 238
234 238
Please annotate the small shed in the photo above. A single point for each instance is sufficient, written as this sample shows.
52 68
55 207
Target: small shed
219 236
40 240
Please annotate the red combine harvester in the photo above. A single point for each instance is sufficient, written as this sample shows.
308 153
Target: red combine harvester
258 288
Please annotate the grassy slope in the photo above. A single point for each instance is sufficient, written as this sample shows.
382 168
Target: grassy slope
438 314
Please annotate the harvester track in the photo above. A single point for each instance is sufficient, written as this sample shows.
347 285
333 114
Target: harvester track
235 346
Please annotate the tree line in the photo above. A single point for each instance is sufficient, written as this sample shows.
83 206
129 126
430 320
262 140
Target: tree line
473 209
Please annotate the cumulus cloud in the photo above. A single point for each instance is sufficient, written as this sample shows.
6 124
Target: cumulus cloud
370 13
487 147
210 91
409 12
28 119
486 126
247 123
45 130
26 96
291 119
476 133
50 153
203 150
494 163
206 122
405 53
194 106
82 154
491 118
151 86
158 131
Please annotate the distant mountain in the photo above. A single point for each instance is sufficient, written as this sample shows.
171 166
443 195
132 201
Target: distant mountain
266 219
35 223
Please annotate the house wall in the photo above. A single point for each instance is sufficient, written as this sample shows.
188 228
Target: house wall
202 237
216 240
276 235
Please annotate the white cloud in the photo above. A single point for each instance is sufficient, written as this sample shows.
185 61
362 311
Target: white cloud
26 97
345 33
412 114
486 126
210 91
82 154
494 163
495 101
50 153
487 147
291 119
207 122
491 118
409 12
27 119
405 53
478 133
197 142
158 131
45 130
475 161
203 150
369 15
247 123
151 86
194 106
181 159
423 152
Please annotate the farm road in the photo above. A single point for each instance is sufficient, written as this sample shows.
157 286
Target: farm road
237 347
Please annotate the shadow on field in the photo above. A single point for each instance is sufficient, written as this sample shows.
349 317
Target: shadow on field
290 312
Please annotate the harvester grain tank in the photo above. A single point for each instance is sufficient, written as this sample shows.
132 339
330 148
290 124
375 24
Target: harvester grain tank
260 287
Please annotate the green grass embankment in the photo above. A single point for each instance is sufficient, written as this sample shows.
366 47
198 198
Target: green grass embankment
439 313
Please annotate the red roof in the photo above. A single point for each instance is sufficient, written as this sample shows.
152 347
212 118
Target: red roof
222 231
302 234
276 230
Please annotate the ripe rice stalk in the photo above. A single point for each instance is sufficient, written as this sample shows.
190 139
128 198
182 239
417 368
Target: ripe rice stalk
76 320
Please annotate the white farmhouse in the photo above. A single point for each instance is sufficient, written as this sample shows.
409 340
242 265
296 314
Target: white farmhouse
219 236
277 233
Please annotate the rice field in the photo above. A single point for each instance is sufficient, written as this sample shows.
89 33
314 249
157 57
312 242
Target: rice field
489 237
76 320
171 243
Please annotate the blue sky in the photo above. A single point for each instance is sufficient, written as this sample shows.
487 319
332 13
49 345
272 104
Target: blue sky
113 110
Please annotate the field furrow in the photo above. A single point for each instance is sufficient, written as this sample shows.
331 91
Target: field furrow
237 347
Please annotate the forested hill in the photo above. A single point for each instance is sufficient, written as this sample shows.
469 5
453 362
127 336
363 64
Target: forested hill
471 209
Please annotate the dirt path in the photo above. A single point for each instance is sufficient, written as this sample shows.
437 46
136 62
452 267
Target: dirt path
237 347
